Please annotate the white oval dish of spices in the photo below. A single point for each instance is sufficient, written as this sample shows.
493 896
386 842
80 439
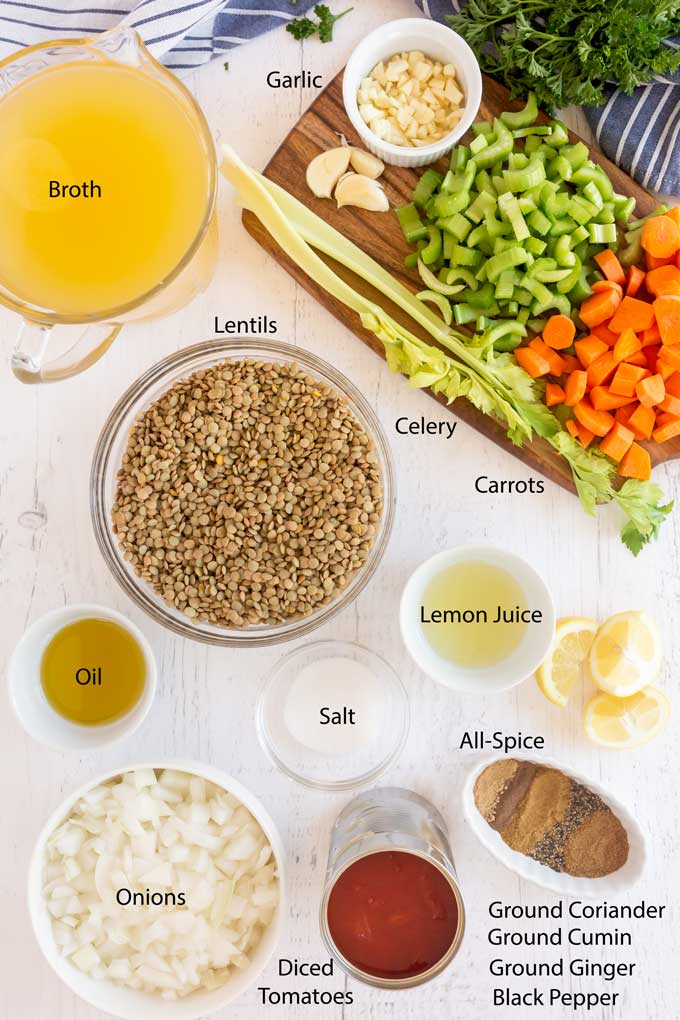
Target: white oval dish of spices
332 715
438 43
614 884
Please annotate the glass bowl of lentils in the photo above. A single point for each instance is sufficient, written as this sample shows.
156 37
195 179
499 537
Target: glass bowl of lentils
242 492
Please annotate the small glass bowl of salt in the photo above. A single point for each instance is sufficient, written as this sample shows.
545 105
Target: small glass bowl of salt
332 715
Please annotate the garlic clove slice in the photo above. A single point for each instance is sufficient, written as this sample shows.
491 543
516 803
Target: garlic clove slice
326 169
362 192
366 163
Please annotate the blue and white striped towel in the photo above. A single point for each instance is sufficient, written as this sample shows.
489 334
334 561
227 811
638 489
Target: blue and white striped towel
638 132
181 33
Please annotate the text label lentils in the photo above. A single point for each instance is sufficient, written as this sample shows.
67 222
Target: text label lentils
249 494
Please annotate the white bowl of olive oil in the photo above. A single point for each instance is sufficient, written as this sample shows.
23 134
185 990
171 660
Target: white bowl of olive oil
82 677
477 618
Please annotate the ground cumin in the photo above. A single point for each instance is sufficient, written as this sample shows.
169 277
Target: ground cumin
542 813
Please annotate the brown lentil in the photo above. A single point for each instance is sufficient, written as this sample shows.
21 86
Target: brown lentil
249 494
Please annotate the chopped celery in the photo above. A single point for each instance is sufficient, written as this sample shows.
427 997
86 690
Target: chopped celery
524 117
576 154
535 246
447 205
432 252
539 223
411 224
461 256
514 256
510 210
463 314
457 226
483 203
478 143
500 148
528 177
482 127
440 301
462 155
603 233
425 187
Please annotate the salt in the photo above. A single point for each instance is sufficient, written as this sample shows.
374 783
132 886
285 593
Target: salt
334 707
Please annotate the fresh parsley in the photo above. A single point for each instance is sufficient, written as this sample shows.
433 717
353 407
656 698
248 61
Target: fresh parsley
566 52
304 28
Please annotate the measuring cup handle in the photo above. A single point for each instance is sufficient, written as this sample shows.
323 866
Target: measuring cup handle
28 358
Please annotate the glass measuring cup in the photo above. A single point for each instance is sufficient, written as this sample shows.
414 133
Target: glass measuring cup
81 266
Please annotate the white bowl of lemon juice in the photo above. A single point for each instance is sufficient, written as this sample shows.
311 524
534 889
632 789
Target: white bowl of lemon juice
477 618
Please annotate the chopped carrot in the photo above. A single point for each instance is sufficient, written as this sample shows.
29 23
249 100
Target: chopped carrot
670 404
636 463
650 391
626 379
603 399
551 356
575 388
559 332
639 358
641 422
652 356
600 286
674 214
661 237
600 307
598 422
532 362
650 336
589 348
636 277
602 332
554 394
626 346
610 266
664 280
670 355
667 313
617 442
669 428
624 414
664 369
585 436
601 370
673 384
652 262
631 314
571 363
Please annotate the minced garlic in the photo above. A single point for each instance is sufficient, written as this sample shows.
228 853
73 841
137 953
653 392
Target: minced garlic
411 99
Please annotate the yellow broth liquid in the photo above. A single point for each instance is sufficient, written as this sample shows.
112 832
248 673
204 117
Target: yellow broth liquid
96 121
70 678
474 586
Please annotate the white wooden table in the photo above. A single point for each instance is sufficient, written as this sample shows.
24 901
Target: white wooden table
206 696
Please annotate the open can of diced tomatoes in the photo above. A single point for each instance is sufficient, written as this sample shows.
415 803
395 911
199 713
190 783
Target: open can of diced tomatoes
392 913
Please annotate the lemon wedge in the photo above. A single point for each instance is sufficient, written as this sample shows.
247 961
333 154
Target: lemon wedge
626 722
625 656
561 671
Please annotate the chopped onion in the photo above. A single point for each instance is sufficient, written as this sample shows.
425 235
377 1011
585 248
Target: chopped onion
166 833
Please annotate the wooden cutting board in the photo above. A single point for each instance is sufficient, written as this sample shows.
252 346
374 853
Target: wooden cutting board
379 234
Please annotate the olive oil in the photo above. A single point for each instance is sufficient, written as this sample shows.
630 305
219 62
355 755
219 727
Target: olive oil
472 614
93 672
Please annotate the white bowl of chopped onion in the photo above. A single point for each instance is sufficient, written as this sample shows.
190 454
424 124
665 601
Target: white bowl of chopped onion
402 117
156 891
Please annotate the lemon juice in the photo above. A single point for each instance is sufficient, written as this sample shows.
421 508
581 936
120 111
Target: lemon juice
474 614
104 184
